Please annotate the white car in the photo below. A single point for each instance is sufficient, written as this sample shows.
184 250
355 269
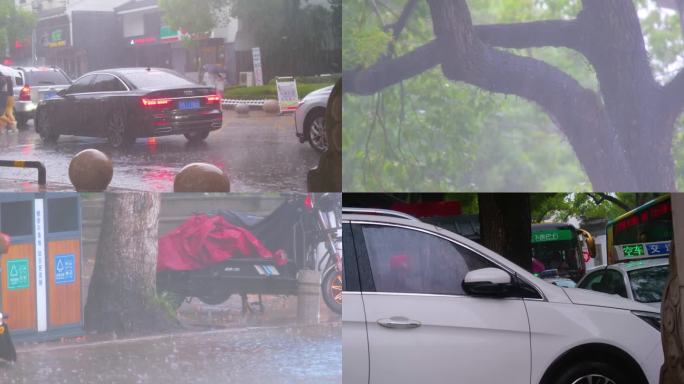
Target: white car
310 119
641 280
424 305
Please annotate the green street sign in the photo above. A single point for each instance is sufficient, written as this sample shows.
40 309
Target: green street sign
551 235
17 274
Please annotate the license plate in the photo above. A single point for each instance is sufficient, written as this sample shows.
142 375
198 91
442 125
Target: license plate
188 104
49 95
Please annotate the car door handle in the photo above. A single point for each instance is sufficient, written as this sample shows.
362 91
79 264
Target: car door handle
399 322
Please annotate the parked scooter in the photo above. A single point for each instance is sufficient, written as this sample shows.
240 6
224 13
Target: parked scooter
7 351
297 228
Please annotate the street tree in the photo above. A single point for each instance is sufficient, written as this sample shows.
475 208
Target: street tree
295 36
621 130
506 225
122 294
195 21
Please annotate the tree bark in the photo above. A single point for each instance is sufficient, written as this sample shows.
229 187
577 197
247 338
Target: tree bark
672 332
506 226
622 137
122 294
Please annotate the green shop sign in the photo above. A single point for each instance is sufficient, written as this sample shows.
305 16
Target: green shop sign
17 274
551 235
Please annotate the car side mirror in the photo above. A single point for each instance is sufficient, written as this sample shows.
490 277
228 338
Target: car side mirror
488 282
62 92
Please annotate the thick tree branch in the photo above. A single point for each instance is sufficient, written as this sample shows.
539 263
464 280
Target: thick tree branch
548 33
388 72
399 25
578 112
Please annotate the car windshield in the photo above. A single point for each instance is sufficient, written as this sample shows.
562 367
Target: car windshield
648 284
39 78
156 79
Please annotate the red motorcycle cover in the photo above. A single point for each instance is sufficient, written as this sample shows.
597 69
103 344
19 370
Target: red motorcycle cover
203 241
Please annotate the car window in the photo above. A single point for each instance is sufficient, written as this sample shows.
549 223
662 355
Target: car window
612 283
81 85
592 281
107 83
409 261
648 284
38 78
156 79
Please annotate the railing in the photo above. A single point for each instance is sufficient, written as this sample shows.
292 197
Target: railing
233 102
42 173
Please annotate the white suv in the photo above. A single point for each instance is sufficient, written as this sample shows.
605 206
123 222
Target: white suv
424 305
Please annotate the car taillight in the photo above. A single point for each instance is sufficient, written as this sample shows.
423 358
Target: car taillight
308 202
213 99
25 94
152 103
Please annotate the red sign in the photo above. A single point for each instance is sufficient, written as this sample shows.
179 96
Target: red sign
144 40
438 208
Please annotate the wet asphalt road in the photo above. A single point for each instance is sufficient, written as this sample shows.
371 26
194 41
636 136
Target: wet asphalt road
260 153
249 355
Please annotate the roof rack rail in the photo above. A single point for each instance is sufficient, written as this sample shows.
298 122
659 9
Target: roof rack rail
379 212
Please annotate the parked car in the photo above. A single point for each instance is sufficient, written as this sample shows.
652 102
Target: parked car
643 280
310 119
33 85
125 104
424 305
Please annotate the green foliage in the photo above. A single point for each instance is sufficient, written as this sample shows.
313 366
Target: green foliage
269 91
562 206
15 23
290 33
431 134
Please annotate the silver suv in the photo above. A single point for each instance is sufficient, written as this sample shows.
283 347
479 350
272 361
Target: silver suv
34 85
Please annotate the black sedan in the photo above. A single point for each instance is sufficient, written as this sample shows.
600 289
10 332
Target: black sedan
125 104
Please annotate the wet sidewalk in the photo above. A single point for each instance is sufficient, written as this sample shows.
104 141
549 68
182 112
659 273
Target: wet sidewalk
243 355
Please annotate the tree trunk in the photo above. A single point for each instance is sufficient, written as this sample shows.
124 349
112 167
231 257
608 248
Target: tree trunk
506 226
672 333
327 177
122 294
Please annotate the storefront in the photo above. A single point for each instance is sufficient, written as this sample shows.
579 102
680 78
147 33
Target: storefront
40 275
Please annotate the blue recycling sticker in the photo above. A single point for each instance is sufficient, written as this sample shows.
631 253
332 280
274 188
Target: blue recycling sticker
65 269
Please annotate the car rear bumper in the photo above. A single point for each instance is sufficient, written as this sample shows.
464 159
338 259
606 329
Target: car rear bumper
26 108
176 125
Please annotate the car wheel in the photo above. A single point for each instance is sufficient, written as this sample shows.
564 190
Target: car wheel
117 134
594 372
331 288
44 127
194 137
22 121
315 130
214 298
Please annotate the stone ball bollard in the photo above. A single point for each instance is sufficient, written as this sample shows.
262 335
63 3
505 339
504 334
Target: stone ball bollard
201 177
271 106
91 171
242 109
